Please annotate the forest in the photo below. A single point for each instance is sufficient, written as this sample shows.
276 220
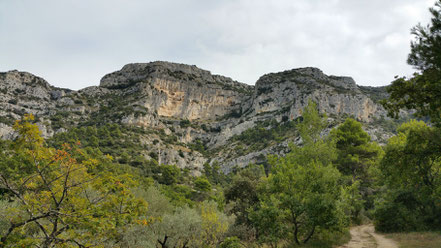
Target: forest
88 188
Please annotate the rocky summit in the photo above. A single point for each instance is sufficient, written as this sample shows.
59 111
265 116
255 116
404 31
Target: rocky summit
187 116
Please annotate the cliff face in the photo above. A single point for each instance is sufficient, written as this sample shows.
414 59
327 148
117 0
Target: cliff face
334 95
183 105
180 91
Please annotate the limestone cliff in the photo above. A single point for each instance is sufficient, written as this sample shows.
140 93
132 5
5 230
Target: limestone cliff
191 116
180 91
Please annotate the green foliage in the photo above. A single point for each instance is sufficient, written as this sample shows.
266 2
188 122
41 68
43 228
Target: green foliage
267 220
231 242
202 184
214 224
5 206
352 144
315 148
198 146
411 172
387 124
413 155
61 196
356 155
376 94
308 195
242 194
113 110
399 212
353 202
159 204
180 195
302 194
312 124
118 141
423 91
204 226
169 174
59 119
214 173
264 134
8 120
424 53
185 123
181 228
411 166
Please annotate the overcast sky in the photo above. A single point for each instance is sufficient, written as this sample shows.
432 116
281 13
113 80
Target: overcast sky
73 43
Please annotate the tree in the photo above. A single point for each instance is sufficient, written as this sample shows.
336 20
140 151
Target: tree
202 184
356 155
243 192
356 152
214 224
242 197
60 198
308 196
267 218
312 124
315 147
231 242
352 202
302 192
412 161
180 229
214 174
425 49
411 168
422 92
169 174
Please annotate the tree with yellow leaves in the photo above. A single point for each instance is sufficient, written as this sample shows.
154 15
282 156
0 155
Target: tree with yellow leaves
61 197
214 224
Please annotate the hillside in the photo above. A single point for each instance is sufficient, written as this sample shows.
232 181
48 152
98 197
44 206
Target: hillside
180 114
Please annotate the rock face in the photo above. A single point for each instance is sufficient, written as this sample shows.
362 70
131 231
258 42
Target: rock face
292 89
180 91
187 107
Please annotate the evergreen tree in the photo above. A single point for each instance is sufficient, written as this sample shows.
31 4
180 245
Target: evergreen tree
422 92
356 155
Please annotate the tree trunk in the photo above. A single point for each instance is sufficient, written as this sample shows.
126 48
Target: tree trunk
185 244
296 232
163 243
310 235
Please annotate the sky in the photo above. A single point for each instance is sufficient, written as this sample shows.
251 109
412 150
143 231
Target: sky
74 43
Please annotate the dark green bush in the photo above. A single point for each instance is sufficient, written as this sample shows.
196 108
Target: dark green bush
231 242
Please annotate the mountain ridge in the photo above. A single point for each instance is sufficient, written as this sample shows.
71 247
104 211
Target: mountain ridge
187 107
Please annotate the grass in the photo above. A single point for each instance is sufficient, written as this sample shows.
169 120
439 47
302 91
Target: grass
320 240
416 239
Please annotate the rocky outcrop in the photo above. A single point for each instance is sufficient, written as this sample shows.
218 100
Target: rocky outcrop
180 91
184 105
290 91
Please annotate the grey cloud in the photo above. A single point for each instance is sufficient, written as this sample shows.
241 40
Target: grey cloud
74 43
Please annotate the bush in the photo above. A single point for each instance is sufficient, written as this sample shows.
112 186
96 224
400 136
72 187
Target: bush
202 184
399 214
185 123
169 174
231 242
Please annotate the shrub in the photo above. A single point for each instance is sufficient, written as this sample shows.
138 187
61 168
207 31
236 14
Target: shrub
231 242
